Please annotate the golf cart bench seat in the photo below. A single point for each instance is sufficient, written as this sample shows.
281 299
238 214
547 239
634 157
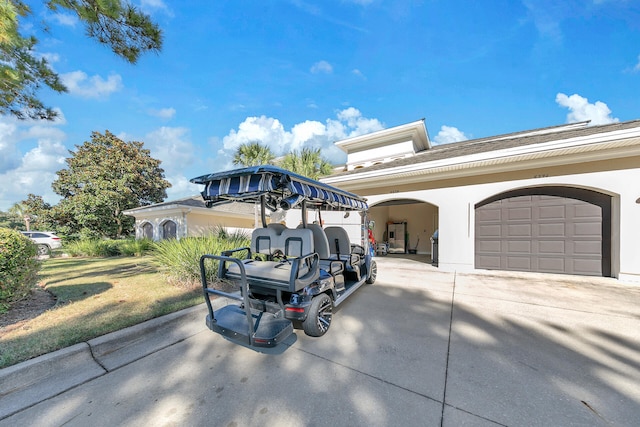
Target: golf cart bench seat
321 246
298 268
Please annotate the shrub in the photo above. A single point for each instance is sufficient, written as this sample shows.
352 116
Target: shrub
92 248
18 267
180 259
107 248
132 247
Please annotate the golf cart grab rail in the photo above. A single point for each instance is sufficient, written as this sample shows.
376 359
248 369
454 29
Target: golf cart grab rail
244 286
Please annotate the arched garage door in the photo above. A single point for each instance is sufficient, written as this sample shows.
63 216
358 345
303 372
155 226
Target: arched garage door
547 229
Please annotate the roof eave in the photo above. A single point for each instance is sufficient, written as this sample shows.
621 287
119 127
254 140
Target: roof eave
415 131
501 161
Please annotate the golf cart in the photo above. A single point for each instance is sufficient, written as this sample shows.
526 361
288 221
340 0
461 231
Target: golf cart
287 277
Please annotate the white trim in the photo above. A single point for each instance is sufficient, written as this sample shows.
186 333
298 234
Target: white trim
503 160
414 131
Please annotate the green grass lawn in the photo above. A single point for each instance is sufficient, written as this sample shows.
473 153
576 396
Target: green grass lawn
95 296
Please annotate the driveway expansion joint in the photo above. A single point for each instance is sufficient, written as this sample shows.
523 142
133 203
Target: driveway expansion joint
446 366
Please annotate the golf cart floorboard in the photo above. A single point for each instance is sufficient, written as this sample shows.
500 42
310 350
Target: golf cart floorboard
231 322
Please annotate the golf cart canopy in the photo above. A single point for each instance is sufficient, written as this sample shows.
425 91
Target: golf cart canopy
280 188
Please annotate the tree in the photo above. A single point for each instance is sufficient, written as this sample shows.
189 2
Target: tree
253 154
307 162
8 220
19 211
106 176
40 213
115 23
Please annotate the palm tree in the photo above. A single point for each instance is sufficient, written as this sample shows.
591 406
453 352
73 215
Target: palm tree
19 211
253 154
307 162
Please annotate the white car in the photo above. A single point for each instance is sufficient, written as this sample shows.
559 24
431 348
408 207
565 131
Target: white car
44 240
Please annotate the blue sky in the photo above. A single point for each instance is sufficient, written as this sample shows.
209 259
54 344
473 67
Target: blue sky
294 73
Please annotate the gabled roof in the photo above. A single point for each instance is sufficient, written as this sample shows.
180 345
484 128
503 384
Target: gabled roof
577 136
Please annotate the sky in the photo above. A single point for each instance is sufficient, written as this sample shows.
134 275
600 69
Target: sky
302 73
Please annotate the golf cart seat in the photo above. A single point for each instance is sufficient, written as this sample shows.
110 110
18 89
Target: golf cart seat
296 268
341 249
321 244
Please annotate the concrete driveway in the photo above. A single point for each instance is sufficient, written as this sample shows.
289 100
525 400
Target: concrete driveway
418 348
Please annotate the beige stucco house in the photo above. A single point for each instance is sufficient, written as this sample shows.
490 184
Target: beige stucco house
189 217
561 199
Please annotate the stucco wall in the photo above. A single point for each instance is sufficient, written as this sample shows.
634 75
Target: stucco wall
456 213
202 224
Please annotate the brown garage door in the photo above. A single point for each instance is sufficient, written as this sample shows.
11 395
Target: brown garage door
562 230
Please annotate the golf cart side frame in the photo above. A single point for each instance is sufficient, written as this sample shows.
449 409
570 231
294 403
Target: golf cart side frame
286 277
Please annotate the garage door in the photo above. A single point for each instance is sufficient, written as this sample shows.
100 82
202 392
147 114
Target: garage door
550 230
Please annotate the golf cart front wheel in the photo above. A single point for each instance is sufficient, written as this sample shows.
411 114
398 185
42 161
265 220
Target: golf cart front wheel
319 319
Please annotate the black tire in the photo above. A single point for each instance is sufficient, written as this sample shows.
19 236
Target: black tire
373 274
319 318
43 250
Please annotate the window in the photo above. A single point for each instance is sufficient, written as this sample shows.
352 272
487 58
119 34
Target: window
147 231
169 230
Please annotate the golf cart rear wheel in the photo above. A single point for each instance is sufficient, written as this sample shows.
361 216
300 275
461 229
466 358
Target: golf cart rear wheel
319 319
373 273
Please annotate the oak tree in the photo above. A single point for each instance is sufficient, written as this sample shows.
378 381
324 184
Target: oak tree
104 177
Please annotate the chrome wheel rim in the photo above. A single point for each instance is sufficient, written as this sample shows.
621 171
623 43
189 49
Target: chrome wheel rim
374 272
324 315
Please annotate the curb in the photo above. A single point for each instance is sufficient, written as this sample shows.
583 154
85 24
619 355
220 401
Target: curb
127 345
33 381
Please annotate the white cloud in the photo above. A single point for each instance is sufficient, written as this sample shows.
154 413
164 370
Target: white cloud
271 132
151 6
172 146
581 110
65 19
449 134
163 113
267 130
9 153
321 67
32 171
84 86
51 58
358 73
637 66
547 16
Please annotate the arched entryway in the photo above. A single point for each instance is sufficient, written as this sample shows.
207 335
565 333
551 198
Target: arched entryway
545 229
406 225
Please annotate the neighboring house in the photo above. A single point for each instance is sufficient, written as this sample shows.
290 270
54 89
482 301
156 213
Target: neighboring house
562 199
189 217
